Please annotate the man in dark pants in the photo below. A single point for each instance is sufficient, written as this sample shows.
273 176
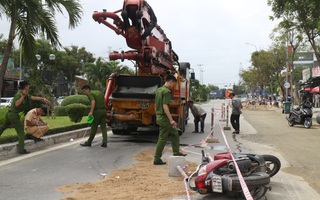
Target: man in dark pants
236 111
20 103
199 115
165 121
99 113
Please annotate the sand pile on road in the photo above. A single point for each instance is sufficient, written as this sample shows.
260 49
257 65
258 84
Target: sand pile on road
141 181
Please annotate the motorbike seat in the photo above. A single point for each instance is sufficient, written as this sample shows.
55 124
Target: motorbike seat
297 112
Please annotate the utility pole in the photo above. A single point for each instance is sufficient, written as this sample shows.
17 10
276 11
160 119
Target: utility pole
201 73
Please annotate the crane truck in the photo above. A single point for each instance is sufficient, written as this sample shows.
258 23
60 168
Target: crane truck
130 99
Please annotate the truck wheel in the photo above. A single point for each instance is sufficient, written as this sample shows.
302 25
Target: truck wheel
182 120
116 131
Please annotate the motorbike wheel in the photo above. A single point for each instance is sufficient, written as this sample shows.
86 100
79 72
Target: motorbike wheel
307 122
290 122
272 164
254 180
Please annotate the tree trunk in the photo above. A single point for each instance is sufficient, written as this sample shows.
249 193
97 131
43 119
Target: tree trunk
6 56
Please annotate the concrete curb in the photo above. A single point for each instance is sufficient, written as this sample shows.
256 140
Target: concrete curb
11 149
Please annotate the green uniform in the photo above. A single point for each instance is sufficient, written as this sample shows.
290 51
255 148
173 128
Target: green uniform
163 96
99 115
12 117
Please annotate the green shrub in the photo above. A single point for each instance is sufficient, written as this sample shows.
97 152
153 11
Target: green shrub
3 112
76 111
83 99
60 111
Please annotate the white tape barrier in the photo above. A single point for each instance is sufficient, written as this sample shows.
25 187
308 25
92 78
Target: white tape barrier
242 182
185 181
244 186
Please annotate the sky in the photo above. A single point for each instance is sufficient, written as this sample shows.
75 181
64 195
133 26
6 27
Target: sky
216 37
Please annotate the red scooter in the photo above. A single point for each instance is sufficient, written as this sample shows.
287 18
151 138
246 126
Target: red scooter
219 175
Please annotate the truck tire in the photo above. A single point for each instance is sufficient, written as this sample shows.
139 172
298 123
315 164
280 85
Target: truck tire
182 125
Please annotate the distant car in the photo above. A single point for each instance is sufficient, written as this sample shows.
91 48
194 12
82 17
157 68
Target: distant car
6 101
59 100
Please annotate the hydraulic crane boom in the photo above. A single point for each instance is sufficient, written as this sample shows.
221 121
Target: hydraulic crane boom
152 49
129 99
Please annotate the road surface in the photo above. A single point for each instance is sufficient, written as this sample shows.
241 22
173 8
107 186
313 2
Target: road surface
37 175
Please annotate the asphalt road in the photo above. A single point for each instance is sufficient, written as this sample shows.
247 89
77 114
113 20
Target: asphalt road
37 175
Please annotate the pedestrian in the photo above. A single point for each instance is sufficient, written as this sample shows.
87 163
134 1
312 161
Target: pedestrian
99 114
199 115
34 125
168 127
20 103
236 111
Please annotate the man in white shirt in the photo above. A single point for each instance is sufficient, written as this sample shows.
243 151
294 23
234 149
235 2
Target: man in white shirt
199 115
34 125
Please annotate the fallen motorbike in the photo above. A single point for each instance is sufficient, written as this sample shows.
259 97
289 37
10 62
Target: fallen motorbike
219 175
301 115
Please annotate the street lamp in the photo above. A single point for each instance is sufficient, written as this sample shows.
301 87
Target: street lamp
252 45
38 57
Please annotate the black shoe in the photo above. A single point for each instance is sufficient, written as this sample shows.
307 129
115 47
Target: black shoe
180 154
195 132
35 139
86 144
201 132
236 132
104 145
160 162
24 151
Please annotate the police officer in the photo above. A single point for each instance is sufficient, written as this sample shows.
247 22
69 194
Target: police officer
99 113
20 103
165 121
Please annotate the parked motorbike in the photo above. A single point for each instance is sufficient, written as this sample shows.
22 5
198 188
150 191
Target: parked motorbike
219 175
301 115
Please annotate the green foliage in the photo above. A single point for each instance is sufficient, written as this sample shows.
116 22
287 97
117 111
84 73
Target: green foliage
99 72
199 93
82 99
57 125
212 87
76 111
60 111
3 112
301 16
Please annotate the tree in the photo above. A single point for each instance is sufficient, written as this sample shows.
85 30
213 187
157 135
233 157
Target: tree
98 73
302 16
212 87
29 18
70 62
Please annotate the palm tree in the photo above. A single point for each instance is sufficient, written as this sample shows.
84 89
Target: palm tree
29 18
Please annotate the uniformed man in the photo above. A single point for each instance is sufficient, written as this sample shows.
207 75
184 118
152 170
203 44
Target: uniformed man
20 103
165 121
34 124
99 113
